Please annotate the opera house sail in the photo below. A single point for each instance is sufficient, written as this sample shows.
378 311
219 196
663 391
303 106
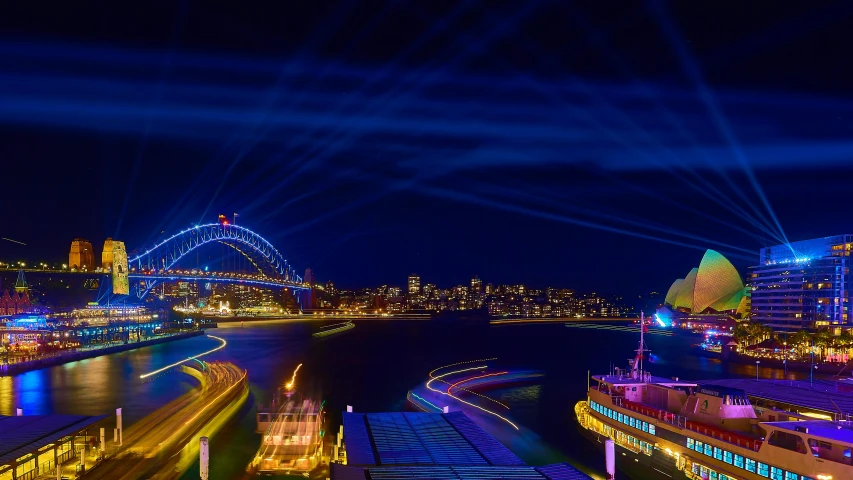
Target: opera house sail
713 291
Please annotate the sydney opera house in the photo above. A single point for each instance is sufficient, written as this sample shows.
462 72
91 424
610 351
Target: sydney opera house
712 293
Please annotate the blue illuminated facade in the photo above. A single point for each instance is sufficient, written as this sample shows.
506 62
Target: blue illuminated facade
803 284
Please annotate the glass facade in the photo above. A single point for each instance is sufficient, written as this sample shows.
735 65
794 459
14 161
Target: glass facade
803 284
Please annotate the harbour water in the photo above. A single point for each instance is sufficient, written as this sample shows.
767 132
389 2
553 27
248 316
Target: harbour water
370 367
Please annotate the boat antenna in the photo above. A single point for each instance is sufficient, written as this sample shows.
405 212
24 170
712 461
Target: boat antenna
641 349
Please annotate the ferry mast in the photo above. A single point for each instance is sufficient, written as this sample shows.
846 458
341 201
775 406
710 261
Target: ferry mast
637 370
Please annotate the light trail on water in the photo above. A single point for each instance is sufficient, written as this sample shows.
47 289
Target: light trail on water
238 382
220 347
480 367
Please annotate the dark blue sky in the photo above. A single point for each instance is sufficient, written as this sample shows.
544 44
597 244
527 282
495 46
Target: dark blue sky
588 146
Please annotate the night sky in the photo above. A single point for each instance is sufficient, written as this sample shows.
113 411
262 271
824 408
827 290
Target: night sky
600 146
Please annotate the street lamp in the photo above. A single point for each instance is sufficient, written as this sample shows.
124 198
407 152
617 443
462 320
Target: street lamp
756 369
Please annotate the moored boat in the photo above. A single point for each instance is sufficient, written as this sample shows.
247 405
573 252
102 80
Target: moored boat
680 429
292 429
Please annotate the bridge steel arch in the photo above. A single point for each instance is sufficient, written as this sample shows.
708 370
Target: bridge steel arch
167 253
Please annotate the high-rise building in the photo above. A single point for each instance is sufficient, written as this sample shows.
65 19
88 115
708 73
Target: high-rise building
81 256
476 285
429 288
803 284
414 284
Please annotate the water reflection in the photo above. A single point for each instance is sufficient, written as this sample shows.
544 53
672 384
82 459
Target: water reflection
33 396
6 396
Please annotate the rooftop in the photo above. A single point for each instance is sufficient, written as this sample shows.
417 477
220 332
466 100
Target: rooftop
825 396
839 431
627 380
432 445
22 435
561 471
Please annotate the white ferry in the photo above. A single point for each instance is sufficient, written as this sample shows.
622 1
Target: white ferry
669 428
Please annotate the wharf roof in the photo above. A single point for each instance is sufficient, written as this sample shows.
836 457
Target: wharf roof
448 446
22 435
826 396
560 471
839 431
415 438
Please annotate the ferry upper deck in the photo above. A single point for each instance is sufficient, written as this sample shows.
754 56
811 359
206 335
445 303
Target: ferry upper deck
819 399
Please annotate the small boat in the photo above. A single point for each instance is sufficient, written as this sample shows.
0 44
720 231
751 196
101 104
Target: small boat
333 329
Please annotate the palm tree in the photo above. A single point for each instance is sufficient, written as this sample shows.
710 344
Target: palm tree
742 333
823 340
800 340
844 341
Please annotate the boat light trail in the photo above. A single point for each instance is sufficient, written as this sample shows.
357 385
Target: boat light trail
13 241
220 347
461 363
238 382
473 378
459 399
470 391
426 402
289 385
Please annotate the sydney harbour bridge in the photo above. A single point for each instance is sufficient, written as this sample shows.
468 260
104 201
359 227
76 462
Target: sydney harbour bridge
147 267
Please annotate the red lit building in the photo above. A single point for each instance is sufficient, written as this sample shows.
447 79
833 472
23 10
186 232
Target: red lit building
14 303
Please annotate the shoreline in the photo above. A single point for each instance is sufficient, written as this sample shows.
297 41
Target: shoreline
23 367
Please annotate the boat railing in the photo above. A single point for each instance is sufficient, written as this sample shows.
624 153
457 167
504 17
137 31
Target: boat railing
682 422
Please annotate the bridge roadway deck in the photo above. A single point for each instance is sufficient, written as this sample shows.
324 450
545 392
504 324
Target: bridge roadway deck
159 445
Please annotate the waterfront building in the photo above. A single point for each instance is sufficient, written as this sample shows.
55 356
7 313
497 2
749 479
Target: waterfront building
712 293
804 284
398 445
31 446
12 303
82 255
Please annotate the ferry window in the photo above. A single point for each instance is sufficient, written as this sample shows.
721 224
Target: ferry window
718 453
776 473
713 475
750 465
690 443
738 461
788 441
708 450
652 429
727 456
645 427
698 446
791 476
763 469
619 417
631 421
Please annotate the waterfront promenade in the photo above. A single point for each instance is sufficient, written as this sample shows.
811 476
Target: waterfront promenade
91 352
